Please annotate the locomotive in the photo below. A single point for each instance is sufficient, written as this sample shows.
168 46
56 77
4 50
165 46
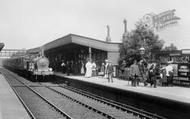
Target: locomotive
35 67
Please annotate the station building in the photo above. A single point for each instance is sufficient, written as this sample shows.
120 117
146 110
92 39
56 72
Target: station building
77 49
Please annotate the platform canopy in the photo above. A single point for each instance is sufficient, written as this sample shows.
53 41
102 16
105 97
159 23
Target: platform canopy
78 47
84 41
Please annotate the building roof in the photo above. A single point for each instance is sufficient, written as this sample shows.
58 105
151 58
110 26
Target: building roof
84 41
33 50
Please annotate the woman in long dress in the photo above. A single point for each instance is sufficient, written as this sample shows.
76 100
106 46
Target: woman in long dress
88 69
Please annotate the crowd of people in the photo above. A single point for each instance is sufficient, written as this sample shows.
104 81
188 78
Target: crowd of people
151 74
138 72
106 70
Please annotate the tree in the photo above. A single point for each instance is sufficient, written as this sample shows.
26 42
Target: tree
137 38
170 48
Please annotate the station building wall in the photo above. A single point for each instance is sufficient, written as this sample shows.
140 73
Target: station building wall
113 57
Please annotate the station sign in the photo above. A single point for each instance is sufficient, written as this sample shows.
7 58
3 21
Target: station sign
183 70
185 51
160 21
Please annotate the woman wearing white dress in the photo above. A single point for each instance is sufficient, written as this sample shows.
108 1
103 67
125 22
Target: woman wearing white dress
88 69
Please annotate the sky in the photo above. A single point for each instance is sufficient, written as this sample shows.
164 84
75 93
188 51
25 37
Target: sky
32 23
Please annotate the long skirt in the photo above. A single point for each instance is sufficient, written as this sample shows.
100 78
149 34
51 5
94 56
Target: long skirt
88 73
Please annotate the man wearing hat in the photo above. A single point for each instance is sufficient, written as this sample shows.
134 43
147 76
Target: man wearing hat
134 73
110 72
93 68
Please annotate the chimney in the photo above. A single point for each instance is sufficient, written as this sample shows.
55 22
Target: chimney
125 34
108 39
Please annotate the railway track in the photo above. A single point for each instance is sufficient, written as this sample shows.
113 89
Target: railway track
99 108
111 106
74 101
36 105
135 111
73 107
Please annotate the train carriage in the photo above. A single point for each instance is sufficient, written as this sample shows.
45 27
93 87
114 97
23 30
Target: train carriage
33 67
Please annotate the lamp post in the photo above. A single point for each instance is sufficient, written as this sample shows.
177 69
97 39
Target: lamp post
142 49
142 55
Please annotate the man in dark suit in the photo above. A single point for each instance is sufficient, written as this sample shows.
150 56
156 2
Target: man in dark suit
134 73
110 72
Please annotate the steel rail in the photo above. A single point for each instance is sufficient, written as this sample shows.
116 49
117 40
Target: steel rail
135 111
128 108
23 103
46 100
79 102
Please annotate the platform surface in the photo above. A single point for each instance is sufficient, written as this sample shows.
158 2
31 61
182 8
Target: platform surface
181 94
10 105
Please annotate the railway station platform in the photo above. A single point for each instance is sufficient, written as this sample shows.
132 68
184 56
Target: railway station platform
181 94
10 105
171 102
